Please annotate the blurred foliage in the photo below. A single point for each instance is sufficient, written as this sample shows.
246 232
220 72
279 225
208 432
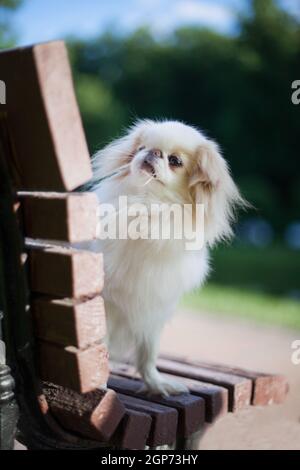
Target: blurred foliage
103 114
7 37
236 88
275 270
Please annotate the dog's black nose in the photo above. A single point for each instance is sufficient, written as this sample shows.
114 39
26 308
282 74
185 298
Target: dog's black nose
149 162
157 153
152 155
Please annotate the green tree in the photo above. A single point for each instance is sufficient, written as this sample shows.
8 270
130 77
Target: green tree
236 88
7 36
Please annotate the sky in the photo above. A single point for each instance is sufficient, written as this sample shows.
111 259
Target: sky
44 20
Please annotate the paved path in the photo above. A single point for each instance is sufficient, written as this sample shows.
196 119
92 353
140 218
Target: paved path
257 347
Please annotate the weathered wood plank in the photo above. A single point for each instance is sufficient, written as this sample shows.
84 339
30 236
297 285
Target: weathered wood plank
70 217
66 272
191 409
95 415
215 397
69 322
45 128
80 370
133 431
266 388
239 388
16 322
164 419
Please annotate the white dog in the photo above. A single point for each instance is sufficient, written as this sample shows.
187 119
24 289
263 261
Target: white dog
158 162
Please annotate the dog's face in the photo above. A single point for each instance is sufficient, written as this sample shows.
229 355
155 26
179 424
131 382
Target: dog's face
176 162
164 157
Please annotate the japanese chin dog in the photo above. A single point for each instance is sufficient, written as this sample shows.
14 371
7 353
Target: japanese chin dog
157 164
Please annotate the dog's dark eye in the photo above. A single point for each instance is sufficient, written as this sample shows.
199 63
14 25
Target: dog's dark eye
141 148
174 160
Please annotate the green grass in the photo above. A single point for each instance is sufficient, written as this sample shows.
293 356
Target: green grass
252 283
256 306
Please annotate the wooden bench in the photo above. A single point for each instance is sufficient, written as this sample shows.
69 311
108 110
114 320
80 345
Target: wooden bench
50 288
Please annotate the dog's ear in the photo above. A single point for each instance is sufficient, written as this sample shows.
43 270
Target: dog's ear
211 184
208 167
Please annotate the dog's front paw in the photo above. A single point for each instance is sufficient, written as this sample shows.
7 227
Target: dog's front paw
159 385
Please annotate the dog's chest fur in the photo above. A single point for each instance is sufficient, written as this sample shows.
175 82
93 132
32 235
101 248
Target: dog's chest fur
149 276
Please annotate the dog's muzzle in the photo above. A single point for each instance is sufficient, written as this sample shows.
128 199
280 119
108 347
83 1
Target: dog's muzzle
149 161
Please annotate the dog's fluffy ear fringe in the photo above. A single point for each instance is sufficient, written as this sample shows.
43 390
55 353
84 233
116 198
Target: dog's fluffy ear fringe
212 185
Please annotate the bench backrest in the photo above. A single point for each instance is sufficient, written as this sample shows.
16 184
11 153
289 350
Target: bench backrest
47 283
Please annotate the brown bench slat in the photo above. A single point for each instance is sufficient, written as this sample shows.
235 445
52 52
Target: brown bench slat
80 370
267 388
216 397
59 216
69 322
43 119
239 388
164 419
191 409
66 272
133 431
95 415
